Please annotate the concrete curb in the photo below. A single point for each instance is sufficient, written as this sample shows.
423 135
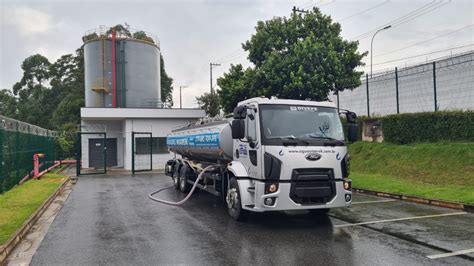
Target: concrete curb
10 245
438 203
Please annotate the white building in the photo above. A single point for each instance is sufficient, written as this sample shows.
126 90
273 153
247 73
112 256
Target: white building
118 124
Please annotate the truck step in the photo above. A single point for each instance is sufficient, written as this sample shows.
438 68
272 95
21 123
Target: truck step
251 189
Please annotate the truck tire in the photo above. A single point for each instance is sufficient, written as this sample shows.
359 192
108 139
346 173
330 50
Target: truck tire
176 168
184 186
234 202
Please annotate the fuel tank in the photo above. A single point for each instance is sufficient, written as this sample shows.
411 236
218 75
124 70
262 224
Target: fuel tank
210 142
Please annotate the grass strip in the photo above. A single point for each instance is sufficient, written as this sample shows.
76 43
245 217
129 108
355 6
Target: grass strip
19 203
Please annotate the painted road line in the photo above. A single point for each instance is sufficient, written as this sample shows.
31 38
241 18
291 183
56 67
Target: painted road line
450 254
401 219
373 201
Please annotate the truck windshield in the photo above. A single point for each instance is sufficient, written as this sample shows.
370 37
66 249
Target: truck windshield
281 122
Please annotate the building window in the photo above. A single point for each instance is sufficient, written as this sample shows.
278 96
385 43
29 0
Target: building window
158 145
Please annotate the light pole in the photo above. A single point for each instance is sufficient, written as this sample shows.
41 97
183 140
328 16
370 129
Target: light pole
180 97
211 65
372 45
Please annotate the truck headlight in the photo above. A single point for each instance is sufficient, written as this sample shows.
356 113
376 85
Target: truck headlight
347 185
271 187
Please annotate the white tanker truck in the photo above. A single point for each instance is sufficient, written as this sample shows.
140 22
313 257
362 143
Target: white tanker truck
273 155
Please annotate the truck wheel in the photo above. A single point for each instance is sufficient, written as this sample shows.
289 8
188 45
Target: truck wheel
234 202
176 168
184 186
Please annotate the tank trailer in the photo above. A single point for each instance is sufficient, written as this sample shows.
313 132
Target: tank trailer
272 155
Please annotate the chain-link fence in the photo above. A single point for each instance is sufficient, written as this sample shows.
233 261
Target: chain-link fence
445 84
19 141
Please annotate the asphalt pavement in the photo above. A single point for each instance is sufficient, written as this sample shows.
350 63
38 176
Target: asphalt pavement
110 220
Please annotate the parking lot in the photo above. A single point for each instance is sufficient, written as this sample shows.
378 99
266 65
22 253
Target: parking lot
110 220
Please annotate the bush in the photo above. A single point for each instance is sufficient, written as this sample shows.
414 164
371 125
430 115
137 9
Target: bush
429 127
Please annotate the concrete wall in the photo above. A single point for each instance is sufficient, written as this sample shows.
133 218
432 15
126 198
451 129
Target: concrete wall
122 131
121 122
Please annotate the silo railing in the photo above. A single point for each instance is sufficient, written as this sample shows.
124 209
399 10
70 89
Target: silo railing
121 32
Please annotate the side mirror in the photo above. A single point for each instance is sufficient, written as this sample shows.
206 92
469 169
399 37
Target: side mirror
240 112
351 117
238 129
353 132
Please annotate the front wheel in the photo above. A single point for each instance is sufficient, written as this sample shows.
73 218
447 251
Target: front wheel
234 201
176 171
184 186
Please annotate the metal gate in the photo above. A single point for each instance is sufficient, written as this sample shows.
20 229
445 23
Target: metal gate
142 152
91 156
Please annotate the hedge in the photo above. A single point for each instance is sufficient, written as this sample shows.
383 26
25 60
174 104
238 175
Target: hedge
429 127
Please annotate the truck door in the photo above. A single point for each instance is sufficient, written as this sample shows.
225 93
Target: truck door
250 150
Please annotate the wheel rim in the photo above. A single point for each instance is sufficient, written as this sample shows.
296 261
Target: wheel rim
182 182
232 199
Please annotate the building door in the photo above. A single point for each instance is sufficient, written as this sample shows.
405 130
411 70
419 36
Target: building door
96 155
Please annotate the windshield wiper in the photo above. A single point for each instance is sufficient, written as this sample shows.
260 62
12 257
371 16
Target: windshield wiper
294 140
328 138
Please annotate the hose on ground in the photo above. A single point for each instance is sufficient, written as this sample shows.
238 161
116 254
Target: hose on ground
187 196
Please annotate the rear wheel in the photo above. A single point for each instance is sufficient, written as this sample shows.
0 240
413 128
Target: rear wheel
176 171
184 186
234 201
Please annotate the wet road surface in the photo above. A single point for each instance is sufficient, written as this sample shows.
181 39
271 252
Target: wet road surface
110 220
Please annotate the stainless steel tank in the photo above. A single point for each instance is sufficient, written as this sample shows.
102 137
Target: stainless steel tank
211 142
98 73
142 74
137 69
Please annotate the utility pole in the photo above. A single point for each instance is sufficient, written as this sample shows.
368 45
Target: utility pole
298 10
180 97
211 65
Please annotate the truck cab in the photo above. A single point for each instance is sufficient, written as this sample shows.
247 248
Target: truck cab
289 155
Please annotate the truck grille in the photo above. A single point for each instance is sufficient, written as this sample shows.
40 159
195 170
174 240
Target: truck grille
312 185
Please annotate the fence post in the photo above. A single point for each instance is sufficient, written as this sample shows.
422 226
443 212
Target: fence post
30 154
434 88
2 178
396 90
78 153
133 153
151 151
367 86
17 144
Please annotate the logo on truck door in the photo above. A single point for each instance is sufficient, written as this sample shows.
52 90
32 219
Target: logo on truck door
243 151
313 156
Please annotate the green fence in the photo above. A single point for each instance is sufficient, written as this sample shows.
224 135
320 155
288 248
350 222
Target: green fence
19 141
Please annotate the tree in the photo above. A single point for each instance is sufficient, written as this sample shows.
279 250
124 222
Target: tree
303 56
236 86
8 103
141 35
34 105
120 30
166 84
210 103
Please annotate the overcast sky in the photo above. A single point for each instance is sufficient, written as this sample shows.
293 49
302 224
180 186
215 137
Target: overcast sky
194 33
